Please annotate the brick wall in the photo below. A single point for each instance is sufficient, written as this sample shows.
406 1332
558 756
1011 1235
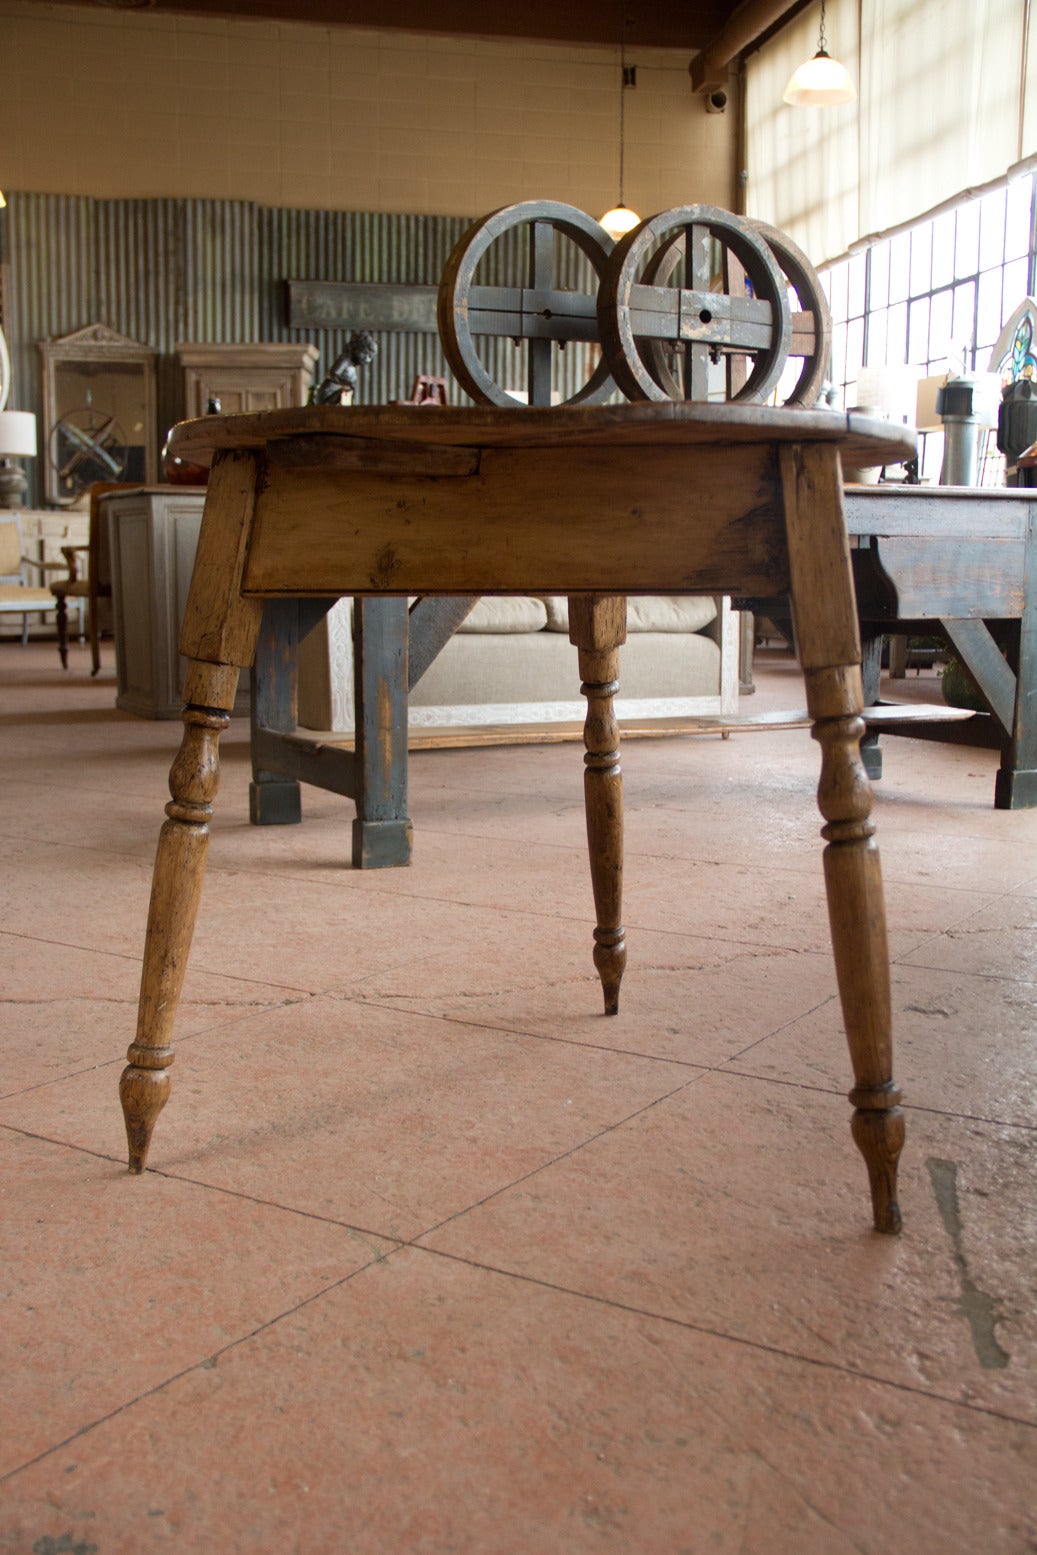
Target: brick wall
120 103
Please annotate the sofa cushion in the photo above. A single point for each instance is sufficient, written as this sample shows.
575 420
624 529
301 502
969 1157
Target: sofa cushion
670 612
557 607
541 670
646 612
508 613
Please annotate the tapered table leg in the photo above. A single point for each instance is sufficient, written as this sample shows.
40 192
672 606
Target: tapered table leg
825 621
597 625
175 891
218 637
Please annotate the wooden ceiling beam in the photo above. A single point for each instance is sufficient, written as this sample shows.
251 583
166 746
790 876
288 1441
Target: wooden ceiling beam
683 24
709 69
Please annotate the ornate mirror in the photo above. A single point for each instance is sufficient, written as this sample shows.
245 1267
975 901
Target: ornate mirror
99 413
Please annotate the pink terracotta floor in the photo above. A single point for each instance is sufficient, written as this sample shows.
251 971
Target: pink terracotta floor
432 1257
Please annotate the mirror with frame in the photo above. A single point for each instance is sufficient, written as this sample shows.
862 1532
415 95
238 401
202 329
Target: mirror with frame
99 413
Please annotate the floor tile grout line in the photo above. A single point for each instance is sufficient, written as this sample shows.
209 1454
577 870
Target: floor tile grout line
209 1360
215 868
563 1155
288 1209
453 1018
721 1068
168 1175
225 1025
144 855
906 1106
137 959
752 947
723 1336
684 1324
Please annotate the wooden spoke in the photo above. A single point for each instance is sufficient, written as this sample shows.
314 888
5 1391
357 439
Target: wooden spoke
660 340
811 319
539 312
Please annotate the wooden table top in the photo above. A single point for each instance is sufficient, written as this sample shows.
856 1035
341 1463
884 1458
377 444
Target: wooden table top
863 440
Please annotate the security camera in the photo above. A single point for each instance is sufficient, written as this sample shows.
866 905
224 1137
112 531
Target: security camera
716 102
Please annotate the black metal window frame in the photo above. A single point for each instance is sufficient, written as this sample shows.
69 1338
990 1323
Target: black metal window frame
936 295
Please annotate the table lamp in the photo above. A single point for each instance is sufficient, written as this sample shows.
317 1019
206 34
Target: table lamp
17 441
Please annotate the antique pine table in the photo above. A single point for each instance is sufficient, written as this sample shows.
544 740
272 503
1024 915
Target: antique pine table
592 502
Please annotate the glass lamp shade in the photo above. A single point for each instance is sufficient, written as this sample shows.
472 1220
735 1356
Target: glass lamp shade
618 221
819 83
17 434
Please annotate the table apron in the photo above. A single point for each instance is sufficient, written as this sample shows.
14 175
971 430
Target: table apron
548 520
936 578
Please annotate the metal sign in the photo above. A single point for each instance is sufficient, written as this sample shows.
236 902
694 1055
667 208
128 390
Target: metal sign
349 305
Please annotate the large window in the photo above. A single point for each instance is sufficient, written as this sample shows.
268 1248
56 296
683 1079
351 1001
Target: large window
934 297
947 103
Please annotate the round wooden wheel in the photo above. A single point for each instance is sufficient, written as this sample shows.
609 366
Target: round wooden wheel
811 320
661 340
539 312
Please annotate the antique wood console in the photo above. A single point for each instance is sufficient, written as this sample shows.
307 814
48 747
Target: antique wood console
959 562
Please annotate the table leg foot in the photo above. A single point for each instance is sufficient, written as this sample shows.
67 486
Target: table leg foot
143 1093
1015 789
610 960
175 891
382 844
878 1133
274 801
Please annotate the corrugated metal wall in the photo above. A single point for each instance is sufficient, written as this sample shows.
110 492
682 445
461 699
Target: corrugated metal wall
166 271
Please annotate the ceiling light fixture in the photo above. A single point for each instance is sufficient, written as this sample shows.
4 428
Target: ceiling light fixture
620 219
820 82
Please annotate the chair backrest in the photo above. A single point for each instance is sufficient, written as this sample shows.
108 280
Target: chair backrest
11 551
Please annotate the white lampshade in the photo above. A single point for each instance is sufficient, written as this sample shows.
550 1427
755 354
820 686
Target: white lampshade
819 83
618 221
17 434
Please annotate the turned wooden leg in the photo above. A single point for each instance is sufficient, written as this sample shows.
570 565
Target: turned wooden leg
61 613
175 891
597 625
857 915
218 637
825 621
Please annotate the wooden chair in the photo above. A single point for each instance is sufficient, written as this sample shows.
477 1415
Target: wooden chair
17 595
94 586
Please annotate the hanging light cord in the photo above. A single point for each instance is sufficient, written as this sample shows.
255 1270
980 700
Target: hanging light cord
622 96
821 39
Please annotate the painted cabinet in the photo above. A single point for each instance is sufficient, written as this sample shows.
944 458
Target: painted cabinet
265 375
154 535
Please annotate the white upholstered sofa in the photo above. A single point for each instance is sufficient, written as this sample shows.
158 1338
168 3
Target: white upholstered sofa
511 663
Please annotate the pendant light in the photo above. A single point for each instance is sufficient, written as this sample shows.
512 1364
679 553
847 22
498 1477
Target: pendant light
619 219
820 82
